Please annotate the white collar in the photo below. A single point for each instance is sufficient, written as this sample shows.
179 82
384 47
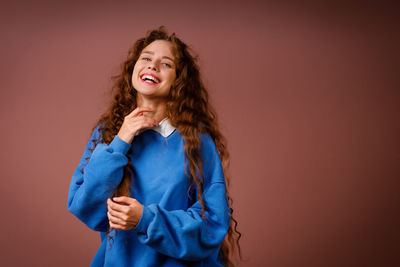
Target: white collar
164 128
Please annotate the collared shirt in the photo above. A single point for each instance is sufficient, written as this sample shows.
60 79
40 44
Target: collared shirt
164 128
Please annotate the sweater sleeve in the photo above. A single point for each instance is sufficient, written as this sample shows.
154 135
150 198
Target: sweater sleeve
184 234
95 179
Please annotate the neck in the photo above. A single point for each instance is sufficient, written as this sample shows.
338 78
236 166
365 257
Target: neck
157 104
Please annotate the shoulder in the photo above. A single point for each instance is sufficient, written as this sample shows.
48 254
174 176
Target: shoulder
208 148
207 144
206 140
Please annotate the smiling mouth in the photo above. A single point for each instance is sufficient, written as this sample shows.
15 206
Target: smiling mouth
150 79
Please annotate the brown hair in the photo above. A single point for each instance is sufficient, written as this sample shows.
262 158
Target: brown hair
188 110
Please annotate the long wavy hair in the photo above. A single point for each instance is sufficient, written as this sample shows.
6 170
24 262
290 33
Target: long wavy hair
188 110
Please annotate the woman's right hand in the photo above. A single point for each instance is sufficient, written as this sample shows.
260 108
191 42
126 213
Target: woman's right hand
135 121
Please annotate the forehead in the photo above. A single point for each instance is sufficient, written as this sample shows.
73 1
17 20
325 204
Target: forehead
160 47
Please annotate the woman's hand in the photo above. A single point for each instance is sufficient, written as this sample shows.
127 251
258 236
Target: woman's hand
135 121
124 213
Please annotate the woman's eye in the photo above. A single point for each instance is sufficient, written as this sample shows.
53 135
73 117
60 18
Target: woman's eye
146 58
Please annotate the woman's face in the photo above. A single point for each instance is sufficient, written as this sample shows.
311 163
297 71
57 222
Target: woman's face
155 70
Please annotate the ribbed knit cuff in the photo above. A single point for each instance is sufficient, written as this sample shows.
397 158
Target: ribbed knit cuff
118 145
144 221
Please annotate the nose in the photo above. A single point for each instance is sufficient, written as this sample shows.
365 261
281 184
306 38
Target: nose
153 65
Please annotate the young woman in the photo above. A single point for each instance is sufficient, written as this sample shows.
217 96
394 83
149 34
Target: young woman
153 177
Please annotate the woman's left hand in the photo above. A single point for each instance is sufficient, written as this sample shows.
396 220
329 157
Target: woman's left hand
123 213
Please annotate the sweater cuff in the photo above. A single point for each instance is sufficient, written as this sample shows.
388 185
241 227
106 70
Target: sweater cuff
144 221
118 145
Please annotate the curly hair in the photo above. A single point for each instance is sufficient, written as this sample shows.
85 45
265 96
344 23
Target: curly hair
188 110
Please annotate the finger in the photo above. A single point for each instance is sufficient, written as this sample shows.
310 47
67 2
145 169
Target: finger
143 125
111 200
111 204
139 110
114 214
124 200
116 220
118 207
116 226
118 215
145 119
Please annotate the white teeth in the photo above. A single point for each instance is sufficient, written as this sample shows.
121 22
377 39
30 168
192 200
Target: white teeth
150 78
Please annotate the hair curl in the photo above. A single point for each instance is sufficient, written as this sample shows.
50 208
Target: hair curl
188 110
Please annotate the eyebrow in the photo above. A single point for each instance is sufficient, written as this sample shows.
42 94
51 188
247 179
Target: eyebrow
152 53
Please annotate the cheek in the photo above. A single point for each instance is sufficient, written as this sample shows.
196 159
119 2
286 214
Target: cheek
134 76
136 69
133 79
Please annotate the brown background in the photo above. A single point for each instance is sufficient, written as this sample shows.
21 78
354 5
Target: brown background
307 96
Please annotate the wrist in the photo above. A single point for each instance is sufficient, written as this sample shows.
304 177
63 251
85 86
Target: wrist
126 138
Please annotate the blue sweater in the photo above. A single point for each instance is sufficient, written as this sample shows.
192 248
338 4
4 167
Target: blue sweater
170 231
